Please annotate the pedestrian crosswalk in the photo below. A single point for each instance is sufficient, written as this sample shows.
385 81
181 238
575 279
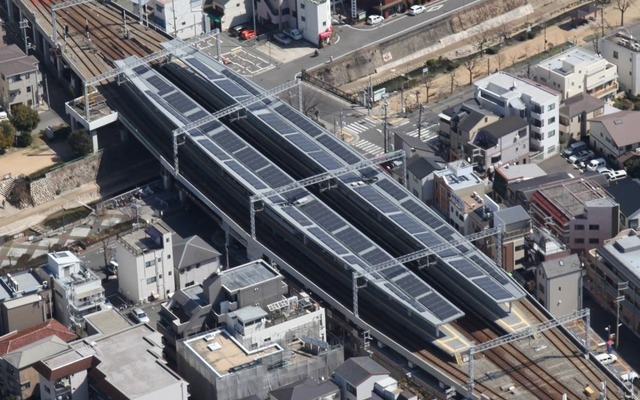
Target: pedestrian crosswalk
427 132
367 147
362 126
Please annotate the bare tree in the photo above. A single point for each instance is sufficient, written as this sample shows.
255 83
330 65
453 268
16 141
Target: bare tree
452 79
481 41
311 102
499 57
428 84
470 65
622 6
106 251
513 57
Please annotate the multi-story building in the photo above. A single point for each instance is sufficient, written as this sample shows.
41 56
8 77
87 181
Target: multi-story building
578 211
508 175
614 266
180 18
578 70
226 14
575 115
77 290
505 141
613 135
459 125
515 224
559 285
193 261
218 366
20 78
19 351
624 51
311 17
505 94
25 301
624 192
420 175
145 263
457 192
123 365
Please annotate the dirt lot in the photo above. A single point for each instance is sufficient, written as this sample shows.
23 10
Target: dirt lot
41 155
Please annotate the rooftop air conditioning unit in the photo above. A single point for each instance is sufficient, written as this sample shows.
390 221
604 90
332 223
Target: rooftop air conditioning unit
209 337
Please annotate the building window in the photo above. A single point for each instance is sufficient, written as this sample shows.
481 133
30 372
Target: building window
159 259
579 227
302 6
167 240
551 107
552 133
351 389
302 19
551 120
594 241
536 109
615 54
537 123
28 89
25 385
168 256
150 263
579 241
324 23
522 133
594 227
151 280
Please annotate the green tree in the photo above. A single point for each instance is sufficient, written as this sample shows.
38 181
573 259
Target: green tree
623 104
25 139
80 142
633 167
24 118
7 134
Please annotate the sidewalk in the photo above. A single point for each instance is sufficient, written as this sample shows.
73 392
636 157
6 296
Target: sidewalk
507 57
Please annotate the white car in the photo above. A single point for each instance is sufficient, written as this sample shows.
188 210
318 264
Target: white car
140 316
417 9
374 19
603 170
293 34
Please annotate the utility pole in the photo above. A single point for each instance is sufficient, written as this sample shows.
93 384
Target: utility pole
419 115
24 24
622 286
370 99
385 128
341 125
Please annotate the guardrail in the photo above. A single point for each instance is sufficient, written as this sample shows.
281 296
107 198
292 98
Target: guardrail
329 88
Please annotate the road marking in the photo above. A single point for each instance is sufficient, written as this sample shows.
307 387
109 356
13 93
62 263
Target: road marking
434 8
361 126
368 147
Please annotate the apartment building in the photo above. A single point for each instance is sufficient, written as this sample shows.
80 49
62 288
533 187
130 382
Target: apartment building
20 78
505 141
420 175
559 284
578 70
505 94
145 263
311 17
575 116
624 192
577 211
25 301
459 125
183 19
621 49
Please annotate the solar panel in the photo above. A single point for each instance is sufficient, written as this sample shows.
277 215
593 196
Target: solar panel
245 174
339 149
318 212
438 306
353 260
242 82
297 216
404 297
303 143
181 102
394 271
375 256
200 66
251 158
407 223
228 141
429 239
414 287
376 199
275 122
324 159
274 177
466 268
328 240
492 269
163 103
198 115
493 289
210 126
215 150
446 231
354 239
392 189
231 88
160 84
298 120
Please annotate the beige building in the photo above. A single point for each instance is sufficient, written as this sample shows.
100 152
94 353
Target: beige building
20 80
505 141
459 126
559 285
576 71
575 115
613 135
24 301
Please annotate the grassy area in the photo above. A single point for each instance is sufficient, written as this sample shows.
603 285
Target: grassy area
65 217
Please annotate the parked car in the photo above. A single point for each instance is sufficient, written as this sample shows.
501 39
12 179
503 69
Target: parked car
139 315
247 34
417 9
603 170
574 148
582 155
293 34
281 38
606 358
616 175
596 163
3 114
237 30
374 19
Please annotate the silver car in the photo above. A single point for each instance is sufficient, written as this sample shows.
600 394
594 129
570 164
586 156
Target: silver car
139 315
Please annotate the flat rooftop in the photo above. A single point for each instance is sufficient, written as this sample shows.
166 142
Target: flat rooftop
626 251
139 242
571 197
504 84
573 57
108 321
25 282
224 354
247 275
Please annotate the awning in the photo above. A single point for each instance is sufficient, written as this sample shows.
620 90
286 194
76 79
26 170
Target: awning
388 5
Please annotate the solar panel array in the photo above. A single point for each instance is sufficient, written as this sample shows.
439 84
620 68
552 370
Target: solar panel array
312 217
385 196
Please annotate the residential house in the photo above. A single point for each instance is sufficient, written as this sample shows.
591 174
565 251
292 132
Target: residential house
459 125
511 174
542 245
25 301
575 115
578 70
193 260
624 192
183 19
20 350
124 365
226 14
559 285
307 389
20 78
611 265
457 192
357 376
77 290
420 175
613 135
505 94
579 212
388 388
145 263
516 226
621 49
412 145
218 366
311 17
505 141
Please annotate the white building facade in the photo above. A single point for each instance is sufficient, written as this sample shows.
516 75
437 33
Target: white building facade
506 94
576 71
311 17
145 263
183 19
623 51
